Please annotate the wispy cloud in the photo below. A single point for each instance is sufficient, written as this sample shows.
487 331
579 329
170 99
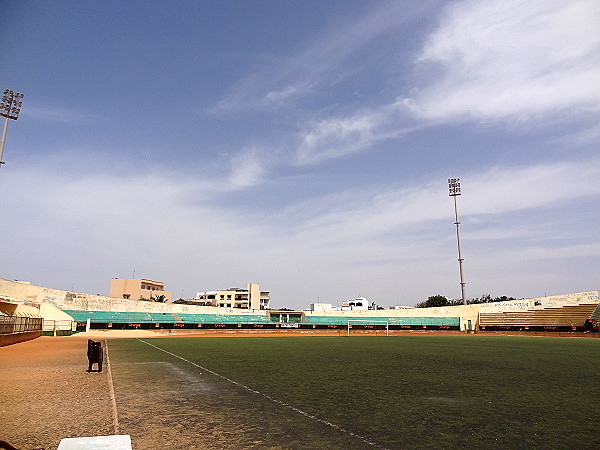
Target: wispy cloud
282 95
247 169
336 137
487 61
494 60
56 114
372 212
532 253
151 223
321 62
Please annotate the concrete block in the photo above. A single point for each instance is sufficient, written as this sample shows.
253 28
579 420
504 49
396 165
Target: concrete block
116 442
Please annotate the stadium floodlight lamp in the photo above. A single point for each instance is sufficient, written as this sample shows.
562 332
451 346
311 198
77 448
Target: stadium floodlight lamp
10 107
11 104
454 190
454 186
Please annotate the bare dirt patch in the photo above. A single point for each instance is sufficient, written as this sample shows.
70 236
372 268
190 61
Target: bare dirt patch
46 393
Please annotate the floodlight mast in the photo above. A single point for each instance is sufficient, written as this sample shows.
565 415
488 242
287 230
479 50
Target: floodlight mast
9 109
454 188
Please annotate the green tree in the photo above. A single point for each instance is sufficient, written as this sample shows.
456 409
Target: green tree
503 298
434 300
487 298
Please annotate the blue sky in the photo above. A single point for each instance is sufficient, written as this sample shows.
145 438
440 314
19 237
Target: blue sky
305 146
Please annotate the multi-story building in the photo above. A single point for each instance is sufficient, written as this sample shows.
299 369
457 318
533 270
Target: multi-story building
250 298
139 289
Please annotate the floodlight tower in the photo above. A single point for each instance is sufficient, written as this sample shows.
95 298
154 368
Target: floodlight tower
9 109
454 187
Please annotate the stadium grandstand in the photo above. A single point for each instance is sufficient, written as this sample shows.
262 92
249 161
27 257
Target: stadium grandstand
144 320
582 317
63 312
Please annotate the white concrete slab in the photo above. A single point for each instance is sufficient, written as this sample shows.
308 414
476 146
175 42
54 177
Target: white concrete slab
116 442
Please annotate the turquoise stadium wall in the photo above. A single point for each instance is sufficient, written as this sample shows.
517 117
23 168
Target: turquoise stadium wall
103 318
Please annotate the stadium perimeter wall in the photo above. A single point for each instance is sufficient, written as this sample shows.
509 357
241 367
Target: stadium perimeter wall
15 338
24 293
471 312
60 299
552 301
27 295
465 313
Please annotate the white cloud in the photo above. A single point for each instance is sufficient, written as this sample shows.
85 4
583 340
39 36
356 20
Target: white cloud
247 170
369 213
590 134
352 241
509 59
377 234
69 218
487 61
162 227
333 137
505 189
321 62
55 114
577 251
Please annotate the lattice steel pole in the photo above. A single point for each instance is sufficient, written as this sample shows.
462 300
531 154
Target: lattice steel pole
9 109
454 188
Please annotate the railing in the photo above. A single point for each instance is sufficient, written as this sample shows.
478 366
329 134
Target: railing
59 327
14 329
19 324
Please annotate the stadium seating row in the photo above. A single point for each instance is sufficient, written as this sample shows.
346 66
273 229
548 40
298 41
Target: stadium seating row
407 321
143 317
596 315
567 316
181 318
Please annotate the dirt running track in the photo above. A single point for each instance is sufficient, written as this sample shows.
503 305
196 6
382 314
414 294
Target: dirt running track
46 393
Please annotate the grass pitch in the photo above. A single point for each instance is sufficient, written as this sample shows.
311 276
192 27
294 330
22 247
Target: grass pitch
386 392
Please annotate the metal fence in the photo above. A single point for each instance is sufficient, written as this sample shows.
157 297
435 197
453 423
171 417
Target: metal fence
59 327
19 324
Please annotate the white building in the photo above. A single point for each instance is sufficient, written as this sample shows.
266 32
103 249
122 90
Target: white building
250 298
322 307
358 304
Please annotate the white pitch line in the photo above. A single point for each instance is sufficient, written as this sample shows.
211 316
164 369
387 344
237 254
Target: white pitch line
268 397
112 392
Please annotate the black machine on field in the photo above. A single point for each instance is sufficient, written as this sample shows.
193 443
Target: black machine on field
95 354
